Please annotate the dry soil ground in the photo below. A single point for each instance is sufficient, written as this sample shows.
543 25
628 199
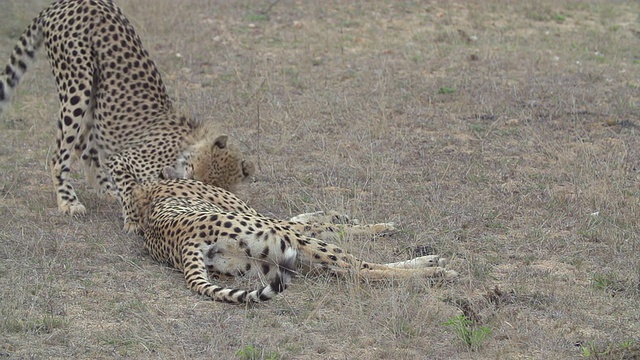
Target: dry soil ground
501 133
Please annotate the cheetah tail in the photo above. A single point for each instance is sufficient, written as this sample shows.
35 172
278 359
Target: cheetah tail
286 270
23 54
279 283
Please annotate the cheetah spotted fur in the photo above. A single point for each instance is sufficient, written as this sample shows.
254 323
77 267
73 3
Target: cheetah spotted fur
203 230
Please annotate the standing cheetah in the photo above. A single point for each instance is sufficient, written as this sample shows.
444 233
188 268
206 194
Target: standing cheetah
115 113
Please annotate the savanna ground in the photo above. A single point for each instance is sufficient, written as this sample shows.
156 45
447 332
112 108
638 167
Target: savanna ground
501 134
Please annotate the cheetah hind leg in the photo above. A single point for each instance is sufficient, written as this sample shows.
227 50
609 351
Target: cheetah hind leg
65 195
430 266
435 272
317 255
74 112
87 151
122 173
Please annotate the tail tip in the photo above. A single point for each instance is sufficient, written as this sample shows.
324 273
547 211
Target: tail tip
287 269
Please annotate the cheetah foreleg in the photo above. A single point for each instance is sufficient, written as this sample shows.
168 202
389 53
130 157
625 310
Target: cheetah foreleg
391 273
333 217
122 174
332 225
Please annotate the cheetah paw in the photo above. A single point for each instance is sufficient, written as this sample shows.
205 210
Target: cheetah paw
132 228
449 274
109 195
337 217
384 229
72 208
438 274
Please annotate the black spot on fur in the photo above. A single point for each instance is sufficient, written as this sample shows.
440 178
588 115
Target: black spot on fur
22 66
266 268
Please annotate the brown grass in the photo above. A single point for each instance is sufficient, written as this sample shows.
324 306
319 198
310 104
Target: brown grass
502 134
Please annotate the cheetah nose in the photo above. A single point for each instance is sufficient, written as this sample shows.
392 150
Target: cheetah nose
247 168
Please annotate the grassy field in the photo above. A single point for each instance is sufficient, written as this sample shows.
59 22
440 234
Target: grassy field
501 134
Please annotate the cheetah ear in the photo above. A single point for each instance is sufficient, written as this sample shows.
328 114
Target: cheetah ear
221 141
169 173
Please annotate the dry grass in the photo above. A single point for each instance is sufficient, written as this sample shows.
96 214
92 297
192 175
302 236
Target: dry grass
502 134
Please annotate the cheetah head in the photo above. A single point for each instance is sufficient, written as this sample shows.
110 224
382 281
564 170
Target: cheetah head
215 163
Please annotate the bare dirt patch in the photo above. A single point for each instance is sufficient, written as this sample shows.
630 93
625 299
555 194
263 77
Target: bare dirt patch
502 134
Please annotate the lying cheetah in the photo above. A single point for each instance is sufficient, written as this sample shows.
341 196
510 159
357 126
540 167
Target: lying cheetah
115 113
201 229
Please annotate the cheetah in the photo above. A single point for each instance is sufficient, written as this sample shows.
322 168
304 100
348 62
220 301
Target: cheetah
203 230
115 114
